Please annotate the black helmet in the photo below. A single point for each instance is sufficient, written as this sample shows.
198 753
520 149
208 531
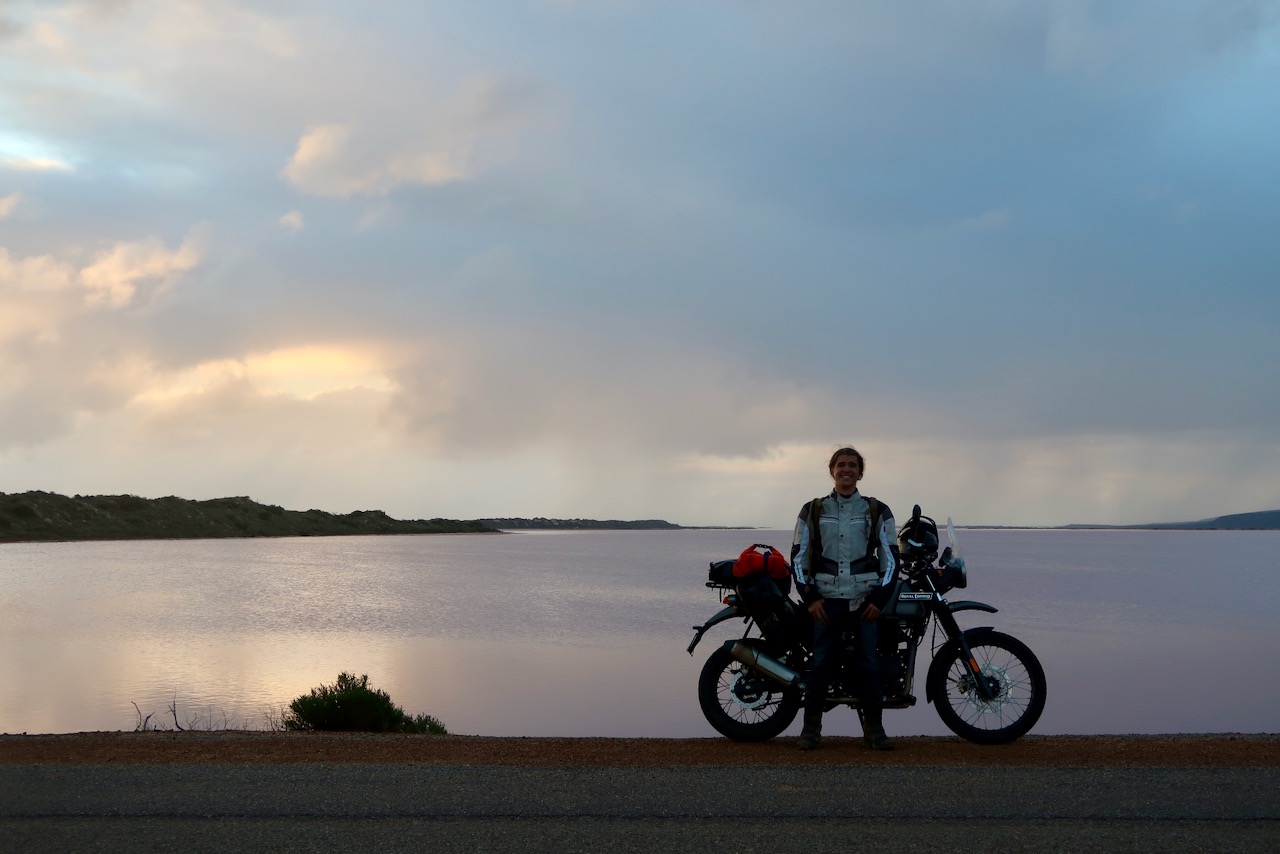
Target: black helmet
918 539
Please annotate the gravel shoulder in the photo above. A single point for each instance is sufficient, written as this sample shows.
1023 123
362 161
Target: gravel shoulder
1227 750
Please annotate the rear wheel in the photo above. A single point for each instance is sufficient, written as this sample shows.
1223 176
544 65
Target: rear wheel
743 703
1015 682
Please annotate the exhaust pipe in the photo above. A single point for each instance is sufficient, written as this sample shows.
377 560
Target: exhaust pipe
767 665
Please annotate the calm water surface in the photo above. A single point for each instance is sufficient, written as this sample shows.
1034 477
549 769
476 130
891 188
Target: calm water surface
584 633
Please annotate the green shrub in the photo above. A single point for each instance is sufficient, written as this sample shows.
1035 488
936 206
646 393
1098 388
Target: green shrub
350 705
130 503
22 511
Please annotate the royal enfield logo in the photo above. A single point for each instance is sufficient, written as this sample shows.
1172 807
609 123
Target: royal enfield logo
914 597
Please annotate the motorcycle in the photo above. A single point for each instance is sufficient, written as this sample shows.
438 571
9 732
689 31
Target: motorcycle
986 686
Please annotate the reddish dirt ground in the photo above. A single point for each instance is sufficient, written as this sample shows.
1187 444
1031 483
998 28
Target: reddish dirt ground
231 747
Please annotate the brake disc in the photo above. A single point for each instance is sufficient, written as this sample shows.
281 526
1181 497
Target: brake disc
748 690
998 683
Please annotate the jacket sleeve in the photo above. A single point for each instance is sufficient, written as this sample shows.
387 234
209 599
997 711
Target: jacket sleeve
888 547
800 558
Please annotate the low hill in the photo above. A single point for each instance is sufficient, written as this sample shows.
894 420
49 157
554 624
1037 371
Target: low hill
1263 520
45 516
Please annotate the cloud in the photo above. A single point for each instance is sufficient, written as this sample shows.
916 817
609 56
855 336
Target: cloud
373 158
649 258
142 87
115 275
302 373
589 390
36 164
8 204
65 348
104 34
332 160
293 221
111 279
338 161
1111 478
41 273
76 345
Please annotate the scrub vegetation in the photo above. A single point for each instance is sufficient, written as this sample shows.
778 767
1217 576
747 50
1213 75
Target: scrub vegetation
45 516
350 705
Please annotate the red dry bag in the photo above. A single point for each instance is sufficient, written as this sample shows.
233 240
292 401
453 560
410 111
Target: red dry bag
761 558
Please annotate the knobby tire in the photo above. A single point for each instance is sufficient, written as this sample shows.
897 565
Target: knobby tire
1010 668
741 703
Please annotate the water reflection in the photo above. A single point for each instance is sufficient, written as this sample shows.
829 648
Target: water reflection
583 634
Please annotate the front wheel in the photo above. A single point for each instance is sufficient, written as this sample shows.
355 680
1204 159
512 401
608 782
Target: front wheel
1013 676
742 703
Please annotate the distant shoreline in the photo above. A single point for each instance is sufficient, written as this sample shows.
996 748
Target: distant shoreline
49 517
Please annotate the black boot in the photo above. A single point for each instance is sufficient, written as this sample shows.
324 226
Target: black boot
811 732
873 730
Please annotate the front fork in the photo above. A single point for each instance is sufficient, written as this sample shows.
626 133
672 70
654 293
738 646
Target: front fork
952 629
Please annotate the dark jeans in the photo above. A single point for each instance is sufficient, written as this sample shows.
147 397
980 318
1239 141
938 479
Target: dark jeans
825 659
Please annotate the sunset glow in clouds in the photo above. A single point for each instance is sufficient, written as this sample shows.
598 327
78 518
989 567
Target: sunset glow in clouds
635 260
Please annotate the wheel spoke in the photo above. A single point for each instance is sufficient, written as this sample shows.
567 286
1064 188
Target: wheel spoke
742 703
744 696
1015 683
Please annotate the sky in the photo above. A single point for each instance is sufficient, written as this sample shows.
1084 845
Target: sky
652 259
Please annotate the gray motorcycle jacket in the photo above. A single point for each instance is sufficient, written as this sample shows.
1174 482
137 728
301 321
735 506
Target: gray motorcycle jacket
851 561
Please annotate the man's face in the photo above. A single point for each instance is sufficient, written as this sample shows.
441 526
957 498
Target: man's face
846 473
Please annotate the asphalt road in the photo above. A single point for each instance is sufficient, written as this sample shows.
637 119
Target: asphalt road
323 807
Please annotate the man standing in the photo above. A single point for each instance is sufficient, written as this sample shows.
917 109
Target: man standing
844 557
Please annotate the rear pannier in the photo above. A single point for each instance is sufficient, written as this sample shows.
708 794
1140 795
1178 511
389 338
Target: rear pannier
762 579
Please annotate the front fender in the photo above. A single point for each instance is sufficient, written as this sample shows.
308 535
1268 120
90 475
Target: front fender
724 614
969 605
